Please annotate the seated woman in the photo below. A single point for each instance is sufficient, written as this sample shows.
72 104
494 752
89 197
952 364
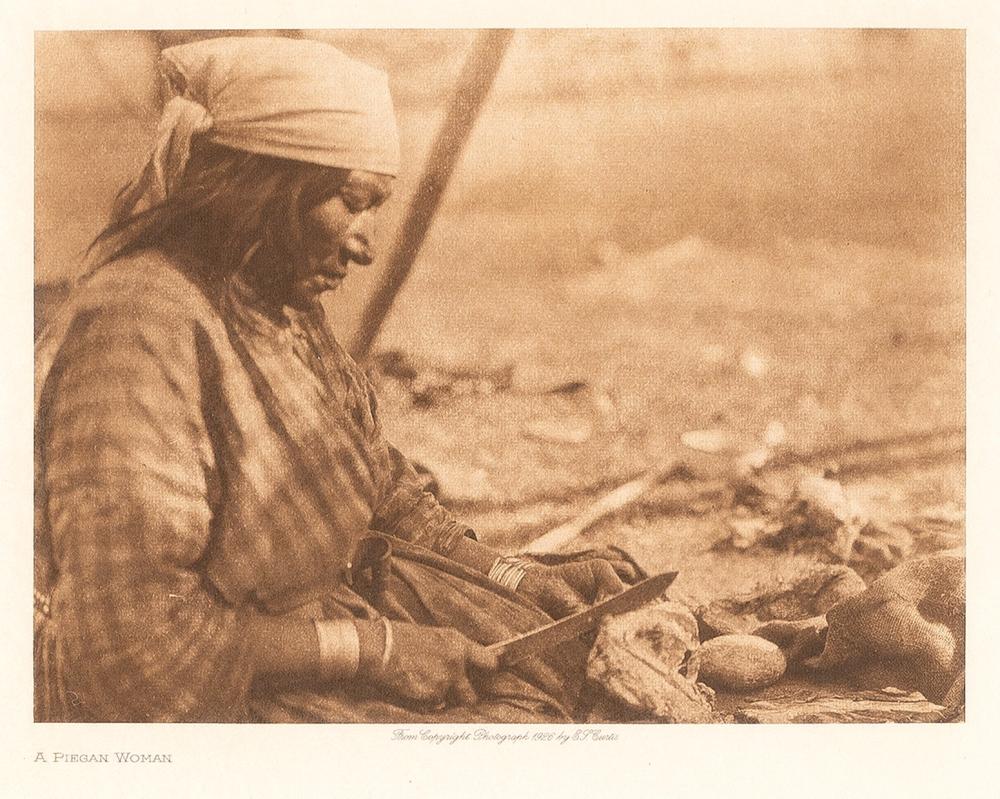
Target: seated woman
222 531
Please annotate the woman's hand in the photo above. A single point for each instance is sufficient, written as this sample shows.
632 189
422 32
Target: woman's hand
431 666
570 587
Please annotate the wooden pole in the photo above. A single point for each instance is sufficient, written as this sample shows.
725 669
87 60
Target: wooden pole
610 503
474 84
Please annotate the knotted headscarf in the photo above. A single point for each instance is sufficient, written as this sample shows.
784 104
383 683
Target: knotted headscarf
291 98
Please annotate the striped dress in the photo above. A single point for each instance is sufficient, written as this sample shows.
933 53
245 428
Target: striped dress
197 462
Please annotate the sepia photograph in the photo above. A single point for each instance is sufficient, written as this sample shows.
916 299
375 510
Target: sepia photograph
523 376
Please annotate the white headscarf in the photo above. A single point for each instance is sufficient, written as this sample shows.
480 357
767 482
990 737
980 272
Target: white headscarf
292 98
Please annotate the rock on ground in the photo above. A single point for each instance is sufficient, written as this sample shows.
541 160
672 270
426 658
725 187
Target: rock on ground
739 662
818 516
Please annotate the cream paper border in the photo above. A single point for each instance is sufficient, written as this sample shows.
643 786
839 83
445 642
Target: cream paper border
362 760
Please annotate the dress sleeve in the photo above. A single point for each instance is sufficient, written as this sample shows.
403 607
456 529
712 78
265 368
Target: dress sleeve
129 472
405 509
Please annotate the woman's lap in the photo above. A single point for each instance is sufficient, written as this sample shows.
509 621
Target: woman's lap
425 588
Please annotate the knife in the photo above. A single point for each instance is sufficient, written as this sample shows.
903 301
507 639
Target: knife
528 644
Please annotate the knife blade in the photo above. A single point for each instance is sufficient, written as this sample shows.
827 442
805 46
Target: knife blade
527 644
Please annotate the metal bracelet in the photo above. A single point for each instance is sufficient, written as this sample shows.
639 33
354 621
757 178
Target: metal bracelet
387 651
508 571
339 648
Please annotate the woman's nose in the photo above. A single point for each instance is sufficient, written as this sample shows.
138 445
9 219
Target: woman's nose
359 238
359 250
364 225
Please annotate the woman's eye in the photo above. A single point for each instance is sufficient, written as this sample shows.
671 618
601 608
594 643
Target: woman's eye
358 200
353 204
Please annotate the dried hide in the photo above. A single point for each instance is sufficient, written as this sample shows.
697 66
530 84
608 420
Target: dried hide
644 661
809 594
906 630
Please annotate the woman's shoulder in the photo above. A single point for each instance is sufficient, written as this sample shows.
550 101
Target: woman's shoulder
144 304
149 284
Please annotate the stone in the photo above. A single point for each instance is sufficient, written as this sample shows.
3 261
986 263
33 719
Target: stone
565 430
739 663
815 515
713 441
746 529
643 660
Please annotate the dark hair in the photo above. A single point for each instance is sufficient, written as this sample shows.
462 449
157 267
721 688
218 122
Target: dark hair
230 209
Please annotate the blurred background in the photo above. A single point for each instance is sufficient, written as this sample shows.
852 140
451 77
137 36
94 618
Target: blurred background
759 232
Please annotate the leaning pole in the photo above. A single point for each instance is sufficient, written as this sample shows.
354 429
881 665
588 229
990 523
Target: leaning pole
474 84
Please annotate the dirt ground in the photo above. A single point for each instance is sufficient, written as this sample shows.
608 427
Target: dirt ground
574 384
827 344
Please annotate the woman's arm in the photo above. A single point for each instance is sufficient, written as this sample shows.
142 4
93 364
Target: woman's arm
142 635
409 512
558 590
127 467
405 509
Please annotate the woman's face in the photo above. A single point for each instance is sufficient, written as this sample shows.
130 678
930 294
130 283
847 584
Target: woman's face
340 232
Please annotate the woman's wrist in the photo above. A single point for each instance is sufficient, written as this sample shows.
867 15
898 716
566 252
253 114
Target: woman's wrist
375 643
327 649
471 553
505 570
